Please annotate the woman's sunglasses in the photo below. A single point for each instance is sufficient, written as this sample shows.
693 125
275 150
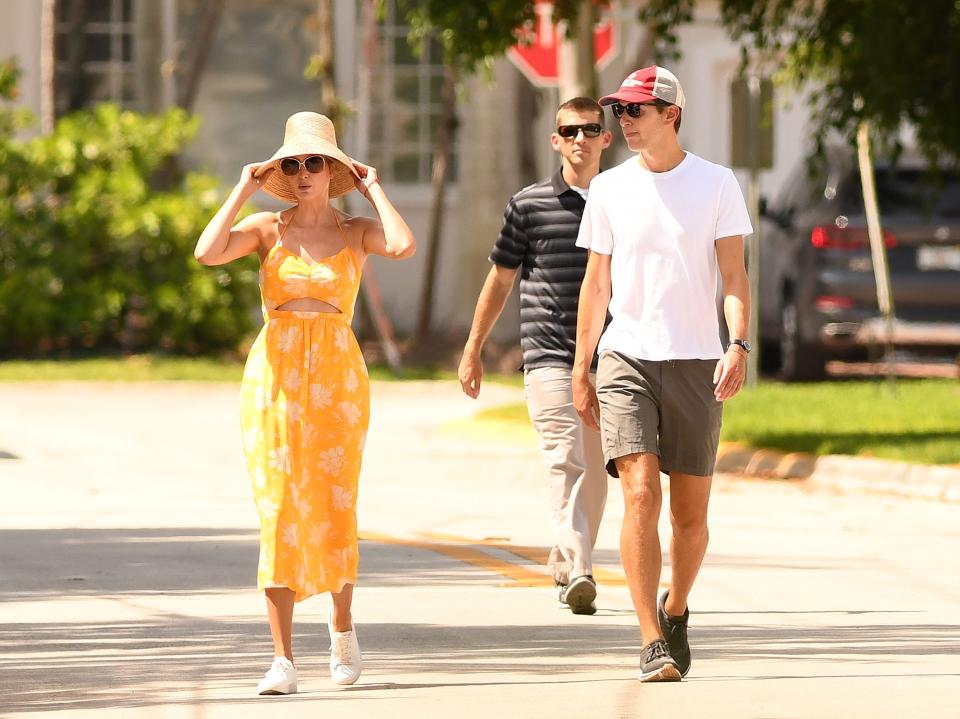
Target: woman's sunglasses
632 108
290 166
591 129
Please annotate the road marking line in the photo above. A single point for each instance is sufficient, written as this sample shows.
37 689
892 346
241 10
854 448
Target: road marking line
519 576
535 554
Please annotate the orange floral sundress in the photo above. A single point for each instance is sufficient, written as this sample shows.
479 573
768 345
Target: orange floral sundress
304 412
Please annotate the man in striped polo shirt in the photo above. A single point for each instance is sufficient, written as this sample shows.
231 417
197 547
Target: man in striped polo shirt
538 240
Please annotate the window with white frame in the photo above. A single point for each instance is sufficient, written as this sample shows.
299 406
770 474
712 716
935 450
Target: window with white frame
405 104
94 53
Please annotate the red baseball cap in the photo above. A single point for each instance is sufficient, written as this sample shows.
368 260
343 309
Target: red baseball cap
650 83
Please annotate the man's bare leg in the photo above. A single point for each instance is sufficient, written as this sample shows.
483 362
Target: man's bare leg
689 499
639 540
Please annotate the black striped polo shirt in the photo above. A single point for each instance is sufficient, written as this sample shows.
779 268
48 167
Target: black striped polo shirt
539 236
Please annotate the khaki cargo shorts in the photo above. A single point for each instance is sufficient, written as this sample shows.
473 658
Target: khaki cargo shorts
665 408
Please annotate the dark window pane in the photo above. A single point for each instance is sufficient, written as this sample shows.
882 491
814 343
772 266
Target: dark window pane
436 85
906 191
407 87
97 48
127 10
126 48
98 10
403 54
406 168
129 88
98 87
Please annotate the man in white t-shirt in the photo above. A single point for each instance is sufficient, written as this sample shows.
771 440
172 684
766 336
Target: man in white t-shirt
659 227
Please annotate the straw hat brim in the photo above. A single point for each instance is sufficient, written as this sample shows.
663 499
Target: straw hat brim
341 169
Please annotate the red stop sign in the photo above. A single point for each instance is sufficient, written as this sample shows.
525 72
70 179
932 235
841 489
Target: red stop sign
536 53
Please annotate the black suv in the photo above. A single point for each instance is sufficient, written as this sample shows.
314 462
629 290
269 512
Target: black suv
818 297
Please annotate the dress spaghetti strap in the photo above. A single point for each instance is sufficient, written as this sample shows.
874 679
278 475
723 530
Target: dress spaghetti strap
284 226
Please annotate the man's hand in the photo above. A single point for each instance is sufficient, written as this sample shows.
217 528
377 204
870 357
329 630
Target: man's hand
586 403
730 372
470 373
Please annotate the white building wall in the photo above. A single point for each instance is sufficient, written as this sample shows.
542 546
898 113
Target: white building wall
20 37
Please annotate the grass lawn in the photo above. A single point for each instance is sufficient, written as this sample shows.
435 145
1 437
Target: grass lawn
147 368
920 422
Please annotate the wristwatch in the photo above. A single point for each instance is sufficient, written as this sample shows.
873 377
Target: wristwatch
743 343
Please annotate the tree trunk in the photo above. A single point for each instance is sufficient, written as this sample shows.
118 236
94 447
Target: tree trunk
48 61
441 163
206 29
74 82
577 76
322 64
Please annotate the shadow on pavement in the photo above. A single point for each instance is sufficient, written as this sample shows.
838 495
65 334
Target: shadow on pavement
184 660
49 564
189 660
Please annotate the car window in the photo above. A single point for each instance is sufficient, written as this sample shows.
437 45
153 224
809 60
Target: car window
906 191
799 191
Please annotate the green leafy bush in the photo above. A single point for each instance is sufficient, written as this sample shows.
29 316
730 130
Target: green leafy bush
94 256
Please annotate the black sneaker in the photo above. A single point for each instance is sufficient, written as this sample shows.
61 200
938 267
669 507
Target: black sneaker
674 631
579 595
657 665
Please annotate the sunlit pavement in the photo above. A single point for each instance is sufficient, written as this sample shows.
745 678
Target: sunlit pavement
129 548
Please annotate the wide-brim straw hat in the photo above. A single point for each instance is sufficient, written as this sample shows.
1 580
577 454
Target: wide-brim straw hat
309 133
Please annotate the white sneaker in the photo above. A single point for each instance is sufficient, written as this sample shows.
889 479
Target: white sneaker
281 679
345 660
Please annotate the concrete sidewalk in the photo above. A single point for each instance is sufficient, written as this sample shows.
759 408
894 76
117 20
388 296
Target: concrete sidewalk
129 550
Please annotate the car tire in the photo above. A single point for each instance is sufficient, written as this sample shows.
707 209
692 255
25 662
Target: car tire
799 361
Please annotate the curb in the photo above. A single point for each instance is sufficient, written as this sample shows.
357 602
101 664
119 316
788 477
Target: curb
766 463
843 472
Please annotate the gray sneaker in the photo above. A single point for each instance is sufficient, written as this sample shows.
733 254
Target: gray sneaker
579 595
657 665
674 631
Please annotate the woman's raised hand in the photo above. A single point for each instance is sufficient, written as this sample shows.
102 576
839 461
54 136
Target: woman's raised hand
368 177
249 184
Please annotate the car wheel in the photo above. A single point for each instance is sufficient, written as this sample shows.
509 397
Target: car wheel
799 360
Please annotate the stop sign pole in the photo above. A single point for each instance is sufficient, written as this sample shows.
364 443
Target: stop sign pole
536 54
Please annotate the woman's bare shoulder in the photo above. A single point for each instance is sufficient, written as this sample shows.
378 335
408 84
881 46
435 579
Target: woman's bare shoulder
261 221
354 226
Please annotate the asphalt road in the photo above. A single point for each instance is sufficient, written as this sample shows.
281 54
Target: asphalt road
128 551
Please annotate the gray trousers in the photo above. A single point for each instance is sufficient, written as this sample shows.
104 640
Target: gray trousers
577 476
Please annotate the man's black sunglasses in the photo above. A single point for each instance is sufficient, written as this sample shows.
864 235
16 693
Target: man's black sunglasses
591 129
632 108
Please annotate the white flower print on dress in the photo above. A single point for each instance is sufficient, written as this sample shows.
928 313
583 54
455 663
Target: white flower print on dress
319 532
263 400
291 381
268 508
349 411
350 381
280 459
331 460
294 411
259 478
321 396
341 556
340 338
342 498
300 503
287 340
290 534
250 436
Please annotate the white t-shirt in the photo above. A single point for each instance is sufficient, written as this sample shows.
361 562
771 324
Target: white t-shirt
660 228
582 191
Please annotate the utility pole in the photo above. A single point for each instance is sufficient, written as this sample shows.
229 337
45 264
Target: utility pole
752 149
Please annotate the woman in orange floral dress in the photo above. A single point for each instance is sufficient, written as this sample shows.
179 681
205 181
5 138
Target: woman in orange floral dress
305 393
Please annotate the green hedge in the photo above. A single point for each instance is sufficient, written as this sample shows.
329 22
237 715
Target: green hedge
93 256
